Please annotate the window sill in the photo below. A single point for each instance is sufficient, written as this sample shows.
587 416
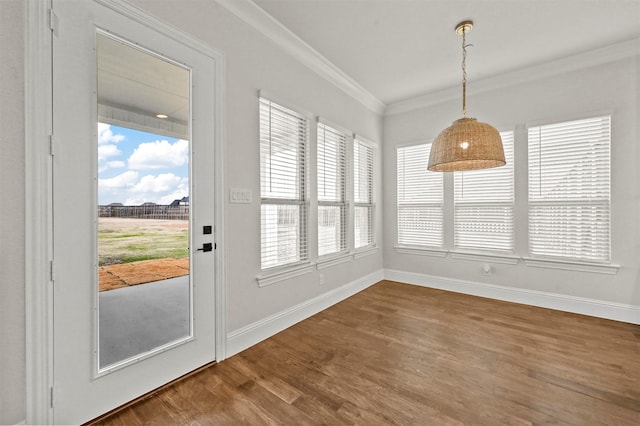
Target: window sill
332 261
486 257
572 265
365 251
272 277
421 251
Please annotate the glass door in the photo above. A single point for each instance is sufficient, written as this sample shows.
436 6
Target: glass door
133 210
143 232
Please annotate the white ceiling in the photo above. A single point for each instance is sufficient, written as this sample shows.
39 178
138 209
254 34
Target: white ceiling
399 49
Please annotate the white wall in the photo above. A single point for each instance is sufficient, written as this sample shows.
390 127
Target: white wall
609 88
12 302
254 63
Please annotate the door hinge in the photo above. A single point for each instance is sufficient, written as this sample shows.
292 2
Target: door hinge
53 21
52 146
51 396
52 270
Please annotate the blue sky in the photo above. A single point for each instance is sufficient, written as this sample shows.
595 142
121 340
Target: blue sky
136 167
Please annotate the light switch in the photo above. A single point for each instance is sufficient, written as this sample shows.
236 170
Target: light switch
241 196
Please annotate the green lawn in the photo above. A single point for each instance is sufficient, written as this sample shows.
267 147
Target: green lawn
130 240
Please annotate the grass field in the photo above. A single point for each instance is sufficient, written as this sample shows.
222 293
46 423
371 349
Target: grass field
123 240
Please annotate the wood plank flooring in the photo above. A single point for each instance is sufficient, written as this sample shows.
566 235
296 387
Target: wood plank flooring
397 354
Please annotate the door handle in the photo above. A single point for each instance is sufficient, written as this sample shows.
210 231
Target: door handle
206 247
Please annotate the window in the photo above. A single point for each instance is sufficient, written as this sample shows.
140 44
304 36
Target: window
283 208
363 193
569 189
483 205
332 206
420 196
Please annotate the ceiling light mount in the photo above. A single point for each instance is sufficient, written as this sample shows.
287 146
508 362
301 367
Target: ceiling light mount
467 144
464 27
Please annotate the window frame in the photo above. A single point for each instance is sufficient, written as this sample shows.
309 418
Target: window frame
439 246
369 204
504 246
604 203
341 167
301 200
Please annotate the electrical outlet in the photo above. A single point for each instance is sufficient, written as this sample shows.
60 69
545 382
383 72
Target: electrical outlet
321 278
487 269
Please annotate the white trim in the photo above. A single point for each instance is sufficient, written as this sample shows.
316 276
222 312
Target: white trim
140 16
323 263
421 251
366 141
38 207
348 134
268 26
247 336
608 269
481 257
38 226
268 96
572 266
281 274
365 251
560 302
576 62
219 213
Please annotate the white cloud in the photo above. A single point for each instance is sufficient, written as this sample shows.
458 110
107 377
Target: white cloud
160 189
160 183
116 164
110 165
105 135
106 151
122 181
159 155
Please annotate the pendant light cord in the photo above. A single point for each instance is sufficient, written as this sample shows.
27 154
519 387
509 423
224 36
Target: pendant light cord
464 73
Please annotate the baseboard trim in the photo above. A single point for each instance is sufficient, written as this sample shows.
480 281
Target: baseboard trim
560 302
258 331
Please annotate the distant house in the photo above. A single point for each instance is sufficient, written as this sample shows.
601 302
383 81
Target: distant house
184 201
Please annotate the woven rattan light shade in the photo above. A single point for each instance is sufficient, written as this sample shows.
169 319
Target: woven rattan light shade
467 144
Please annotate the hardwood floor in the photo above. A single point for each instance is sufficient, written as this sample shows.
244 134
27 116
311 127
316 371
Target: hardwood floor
407 355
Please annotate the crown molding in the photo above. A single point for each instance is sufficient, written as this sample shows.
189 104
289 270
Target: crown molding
576 62
264 23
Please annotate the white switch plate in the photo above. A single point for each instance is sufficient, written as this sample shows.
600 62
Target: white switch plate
240 196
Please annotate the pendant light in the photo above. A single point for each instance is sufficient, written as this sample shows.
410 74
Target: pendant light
467 144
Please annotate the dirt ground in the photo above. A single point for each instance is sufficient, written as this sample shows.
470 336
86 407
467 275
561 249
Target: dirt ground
128 274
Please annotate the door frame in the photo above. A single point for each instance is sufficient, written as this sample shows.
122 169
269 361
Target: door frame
40 28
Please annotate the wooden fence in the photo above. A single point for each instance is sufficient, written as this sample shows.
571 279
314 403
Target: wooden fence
145 212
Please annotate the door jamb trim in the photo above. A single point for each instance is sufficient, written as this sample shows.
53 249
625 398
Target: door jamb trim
38 197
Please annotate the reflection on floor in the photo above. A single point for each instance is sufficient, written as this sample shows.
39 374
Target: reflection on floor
139 318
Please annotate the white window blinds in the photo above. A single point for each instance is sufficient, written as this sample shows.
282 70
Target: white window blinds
332 207
420 195
363 194
483 205
283 212
569 189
